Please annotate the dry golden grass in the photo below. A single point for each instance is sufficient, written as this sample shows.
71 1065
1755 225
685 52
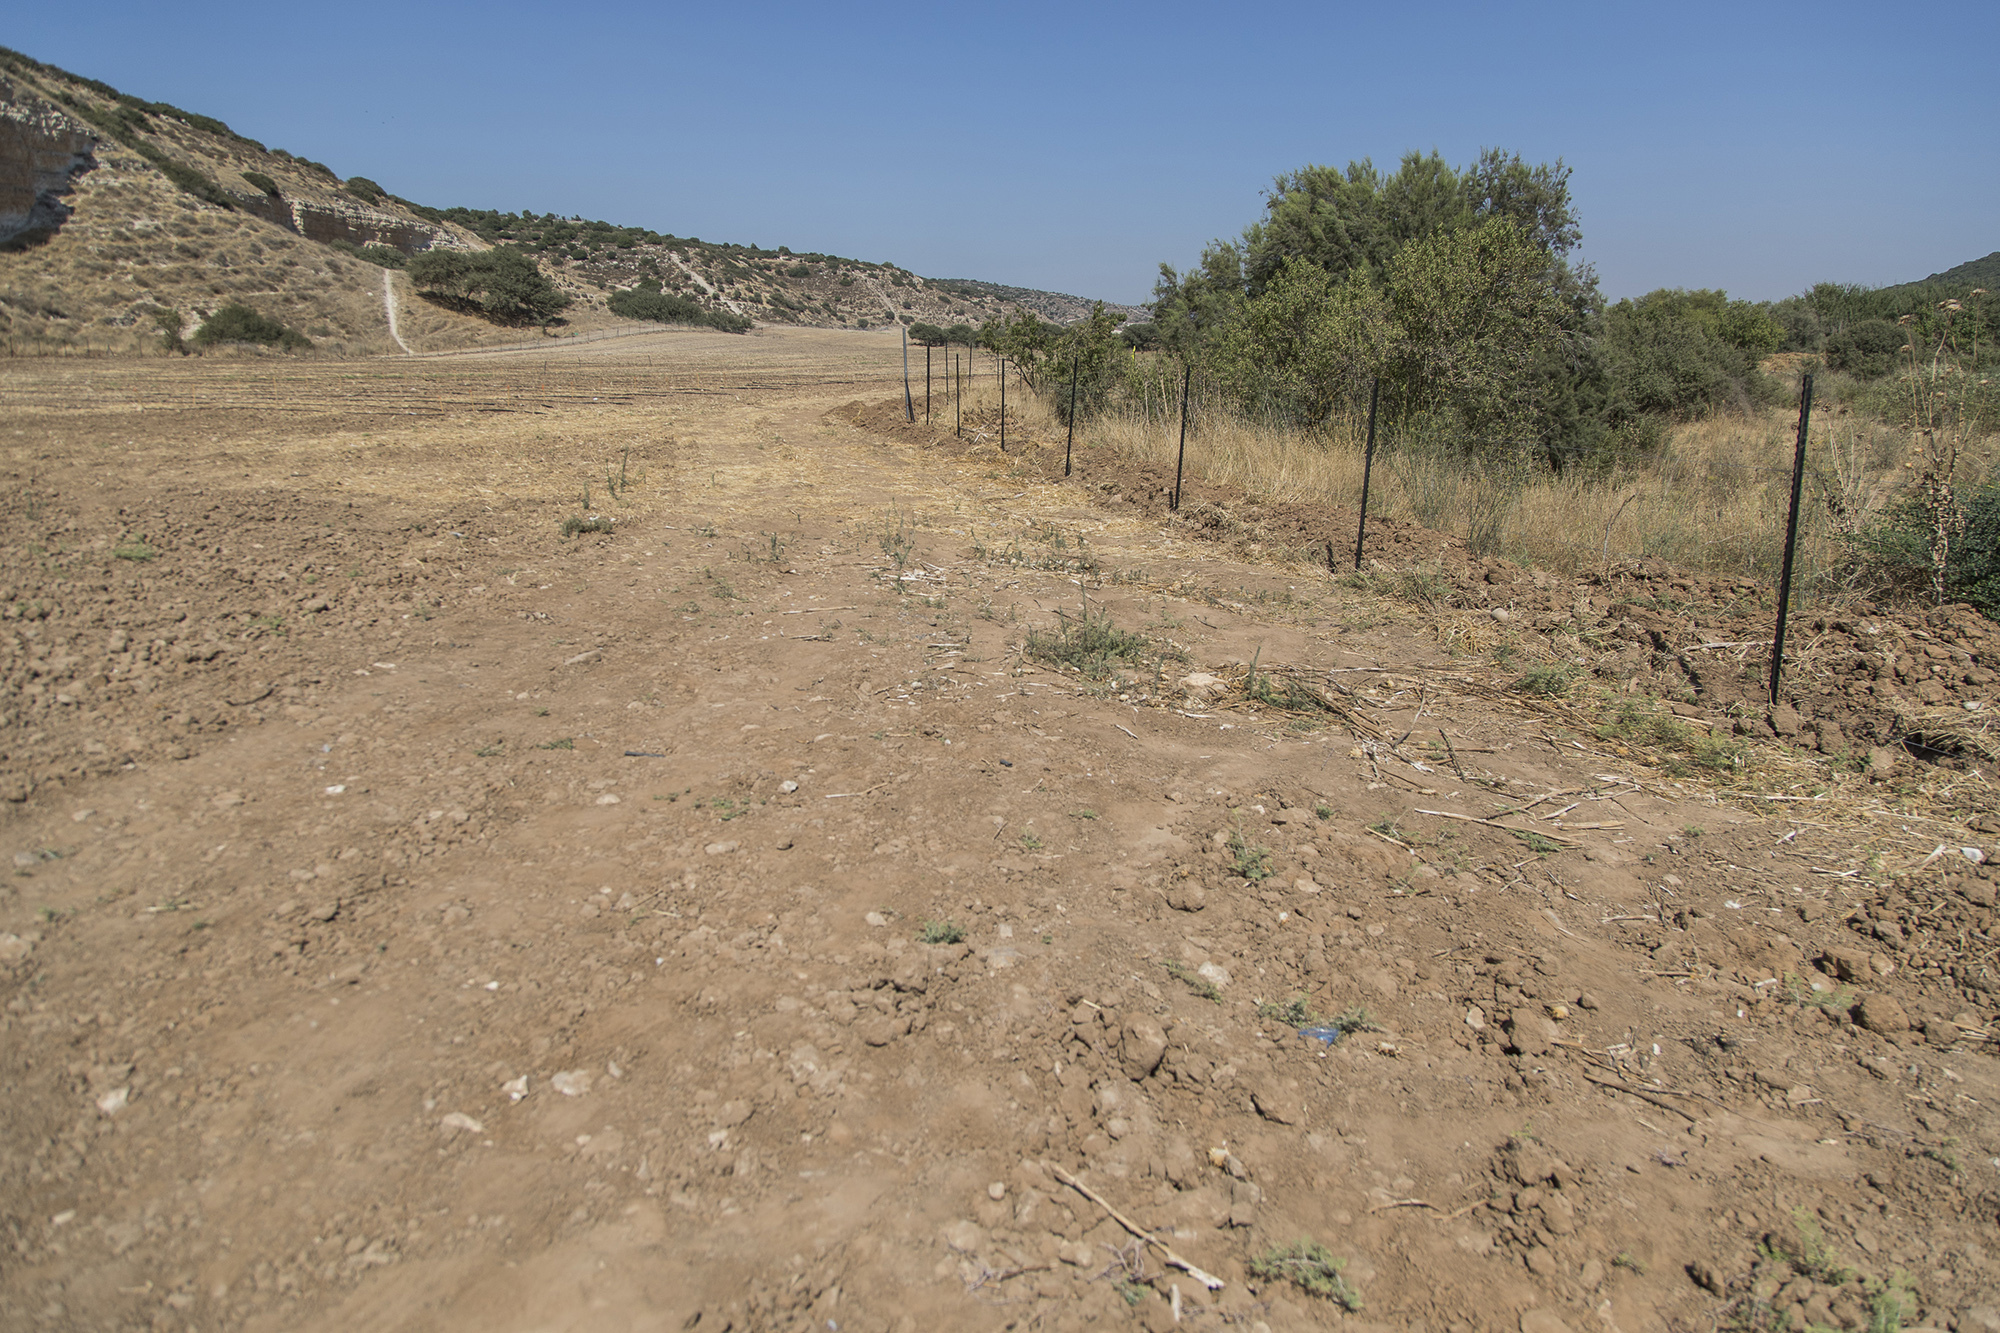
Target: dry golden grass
1713 500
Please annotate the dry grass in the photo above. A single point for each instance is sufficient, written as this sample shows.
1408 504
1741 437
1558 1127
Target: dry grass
1713 500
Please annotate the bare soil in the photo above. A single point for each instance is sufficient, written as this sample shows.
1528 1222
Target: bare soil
420 919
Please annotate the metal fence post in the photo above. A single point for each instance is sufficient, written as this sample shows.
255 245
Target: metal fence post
1791 540
1180 461
1367 471
1070 444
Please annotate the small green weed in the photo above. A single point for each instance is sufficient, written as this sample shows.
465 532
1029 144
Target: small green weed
1838 999
940 932
1083 814
1296 1012
1535 842
1030 843
139 549
1252 861
576 524
1311 1268
488 751
1549 682
1323 811
1626 1260
566 743
1193 980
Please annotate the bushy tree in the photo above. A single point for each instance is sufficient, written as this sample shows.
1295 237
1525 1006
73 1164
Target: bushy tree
236 323
1867 349
502 283
1682 354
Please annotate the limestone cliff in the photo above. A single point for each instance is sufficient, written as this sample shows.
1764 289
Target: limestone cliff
42 151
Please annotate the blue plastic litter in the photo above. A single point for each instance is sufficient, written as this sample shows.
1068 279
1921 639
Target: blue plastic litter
1327 1035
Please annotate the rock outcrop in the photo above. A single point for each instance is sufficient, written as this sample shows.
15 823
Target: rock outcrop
41 152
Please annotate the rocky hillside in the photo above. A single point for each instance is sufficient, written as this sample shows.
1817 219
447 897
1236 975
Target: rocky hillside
121 219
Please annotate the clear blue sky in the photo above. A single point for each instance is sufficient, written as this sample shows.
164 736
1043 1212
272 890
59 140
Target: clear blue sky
1755 147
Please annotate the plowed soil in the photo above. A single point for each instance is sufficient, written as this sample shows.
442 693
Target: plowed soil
422 919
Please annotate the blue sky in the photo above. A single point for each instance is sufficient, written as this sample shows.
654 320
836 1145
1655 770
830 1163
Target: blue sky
1075 147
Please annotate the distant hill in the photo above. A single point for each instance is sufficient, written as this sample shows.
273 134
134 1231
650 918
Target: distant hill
120 216
1972 273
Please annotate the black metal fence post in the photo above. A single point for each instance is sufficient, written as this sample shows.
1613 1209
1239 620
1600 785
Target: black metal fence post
909 409
1367 471
927 384
1180 461
957 399
1000 373
1070 444
1791 541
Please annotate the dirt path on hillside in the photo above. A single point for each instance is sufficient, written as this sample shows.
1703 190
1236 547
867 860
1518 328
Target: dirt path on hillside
389 309
422 919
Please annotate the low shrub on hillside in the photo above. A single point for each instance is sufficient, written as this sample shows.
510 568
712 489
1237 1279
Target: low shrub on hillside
262 182
382 256
240 324
647 302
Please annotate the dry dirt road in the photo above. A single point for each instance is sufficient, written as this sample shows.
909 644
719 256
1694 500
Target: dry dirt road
423 920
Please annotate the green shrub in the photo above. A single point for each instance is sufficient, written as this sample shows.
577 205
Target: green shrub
262 182
502 283
1867 350
672 308
367 191
240 324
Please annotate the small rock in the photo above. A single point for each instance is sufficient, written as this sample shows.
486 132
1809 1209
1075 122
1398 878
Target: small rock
965 1236
571 1082
1279 1106
1142 1049
732 1113
721 848
13 948
1215 974
515 1088
1501 614
1529 1032
460 1120
1586 1001
1847 964
1075 1253
1881 764
1475 1018
1186 897
881 1031
1707 1277
1558 1214
114 1101
1784 720
997 1191
1880 1013
1542 1262
788 786
876 919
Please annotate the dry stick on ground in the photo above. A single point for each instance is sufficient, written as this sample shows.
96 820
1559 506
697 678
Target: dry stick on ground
1209 1280
1494 823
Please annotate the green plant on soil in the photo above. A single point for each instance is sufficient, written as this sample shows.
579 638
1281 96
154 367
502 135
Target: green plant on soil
1251 860
1193 980
1311 1268
940 932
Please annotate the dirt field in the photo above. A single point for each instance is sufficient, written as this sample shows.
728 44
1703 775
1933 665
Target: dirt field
421 920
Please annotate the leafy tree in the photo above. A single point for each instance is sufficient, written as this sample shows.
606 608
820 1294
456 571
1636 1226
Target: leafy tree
502 283
1678 353
929 335
1866 350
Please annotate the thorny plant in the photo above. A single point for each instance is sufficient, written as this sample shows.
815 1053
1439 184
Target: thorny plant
1943 420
